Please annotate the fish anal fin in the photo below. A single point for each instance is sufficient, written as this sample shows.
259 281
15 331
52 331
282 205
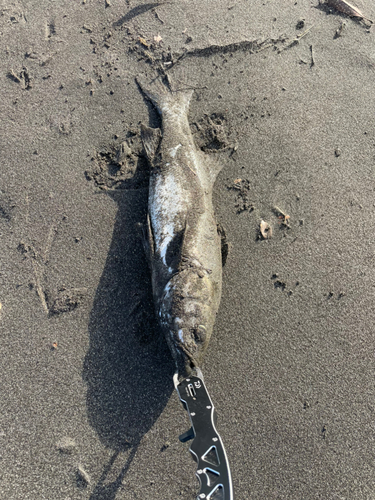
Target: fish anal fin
147 240
151 138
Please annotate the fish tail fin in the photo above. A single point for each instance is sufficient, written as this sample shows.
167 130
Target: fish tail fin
161 95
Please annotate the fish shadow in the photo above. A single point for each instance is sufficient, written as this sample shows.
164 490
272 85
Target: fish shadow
128 368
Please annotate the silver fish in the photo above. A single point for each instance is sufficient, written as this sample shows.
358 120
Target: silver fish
181 235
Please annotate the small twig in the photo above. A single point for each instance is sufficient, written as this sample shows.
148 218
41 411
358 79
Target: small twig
264 47
305 32
312 57
296 40
191 88
40 261
12 75
27 209
279 211
250 46
38 286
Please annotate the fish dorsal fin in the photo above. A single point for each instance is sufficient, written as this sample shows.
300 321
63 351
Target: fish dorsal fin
151 138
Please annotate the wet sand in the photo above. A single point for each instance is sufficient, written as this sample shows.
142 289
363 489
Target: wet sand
88 409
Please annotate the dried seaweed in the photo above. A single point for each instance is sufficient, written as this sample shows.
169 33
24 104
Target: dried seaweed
347 8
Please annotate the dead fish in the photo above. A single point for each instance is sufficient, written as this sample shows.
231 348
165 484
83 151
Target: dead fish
181 236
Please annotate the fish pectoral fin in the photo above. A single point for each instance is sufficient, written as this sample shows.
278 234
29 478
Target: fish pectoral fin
224 244
175 249
214 167
148 240
151 138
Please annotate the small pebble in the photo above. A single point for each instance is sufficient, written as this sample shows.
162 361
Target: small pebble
300 24
165 446
67 446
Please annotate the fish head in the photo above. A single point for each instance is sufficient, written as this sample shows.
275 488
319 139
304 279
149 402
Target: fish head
187 316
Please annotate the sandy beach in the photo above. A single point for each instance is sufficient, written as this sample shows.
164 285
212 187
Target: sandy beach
284 98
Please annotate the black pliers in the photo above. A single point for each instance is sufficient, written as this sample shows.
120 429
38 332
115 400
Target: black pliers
207 448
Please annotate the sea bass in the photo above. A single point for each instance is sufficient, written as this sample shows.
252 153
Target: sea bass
181 235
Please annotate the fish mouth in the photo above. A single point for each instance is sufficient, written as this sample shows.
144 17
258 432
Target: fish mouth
187 316
190 345
185 365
